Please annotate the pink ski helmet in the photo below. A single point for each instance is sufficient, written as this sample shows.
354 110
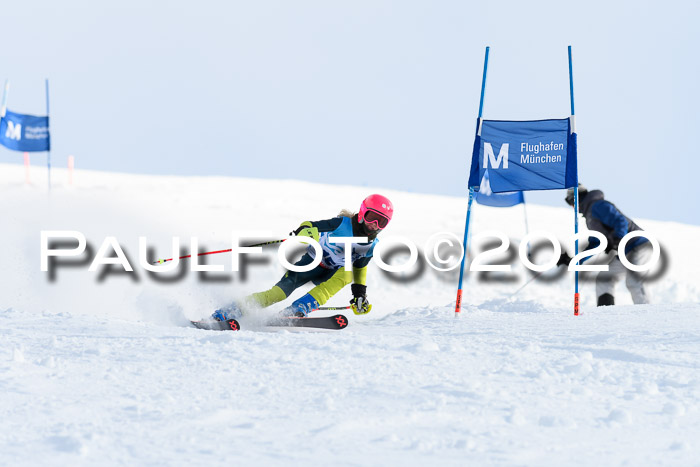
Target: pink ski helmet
376 212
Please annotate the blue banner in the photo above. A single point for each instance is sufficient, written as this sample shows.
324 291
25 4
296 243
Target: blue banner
524 155
25 132
487 197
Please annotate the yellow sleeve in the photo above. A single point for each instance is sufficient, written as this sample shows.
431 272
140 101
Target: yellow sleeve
324 291
360 275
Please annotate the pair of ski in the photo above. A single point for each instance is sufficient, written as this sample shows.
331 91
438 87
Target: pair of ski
325 322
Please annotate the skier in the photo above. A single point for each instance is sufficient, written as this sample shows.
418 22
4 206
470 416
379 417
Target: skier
330 276
603 216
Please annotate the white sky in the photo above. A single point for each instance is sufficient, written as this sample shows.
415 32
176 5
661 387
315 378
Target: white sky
377 93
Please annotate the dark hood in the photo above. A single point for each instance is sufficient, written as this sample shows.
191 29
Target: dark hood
586 201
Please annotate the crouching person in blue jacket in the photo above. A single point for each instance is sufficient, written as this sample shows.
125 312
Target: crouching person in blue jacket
603 216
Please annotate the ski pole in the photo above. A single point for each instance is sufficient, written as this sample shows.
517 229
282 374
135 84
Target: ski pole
161 261
334 308
527 283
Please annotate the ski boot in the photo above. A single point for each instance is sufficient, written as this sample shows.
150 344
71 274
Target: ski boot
302 307
232 311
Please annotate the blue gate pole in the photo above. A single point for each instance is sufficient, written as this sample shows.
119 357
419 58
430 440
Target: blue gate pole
458 303
573 130
48 159
483 82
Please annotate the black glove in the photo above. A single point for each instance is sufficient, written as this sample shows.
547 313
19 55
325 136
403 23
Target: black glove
564 259
613 245
359 303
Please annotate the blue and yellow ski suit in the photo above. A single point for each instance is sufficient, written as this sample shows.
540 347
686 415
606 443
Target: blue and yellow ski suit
331 275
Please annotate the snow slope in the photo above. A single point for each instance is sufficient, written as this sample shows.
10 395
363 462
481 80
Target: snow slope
105 370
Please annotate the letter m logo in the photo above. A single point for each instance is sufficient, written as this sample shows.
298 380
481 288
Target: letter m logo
14 131
495 161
